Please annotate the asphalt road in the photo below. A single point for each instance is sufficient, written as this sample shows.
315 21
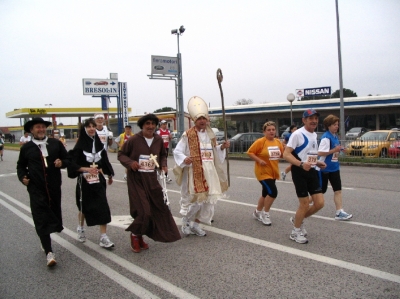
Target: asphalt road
239 257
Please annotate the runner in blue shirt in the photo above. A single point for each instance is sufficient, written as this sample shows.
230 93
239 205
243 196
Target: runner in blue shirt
328 152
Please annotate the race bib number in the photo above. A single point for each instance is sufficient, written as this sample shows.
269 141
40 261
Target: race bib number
91 178
207 153
335 157
274 152
165 138
312 158
145 164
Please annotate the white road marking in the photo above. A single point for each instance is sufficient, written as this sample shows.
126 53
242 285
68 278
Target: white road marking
120 279
152 278
107 271
8 174
307 255
314 216
124 221
283 211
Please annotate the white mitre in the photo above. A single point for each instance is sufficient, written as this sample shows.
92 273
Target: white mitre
197 107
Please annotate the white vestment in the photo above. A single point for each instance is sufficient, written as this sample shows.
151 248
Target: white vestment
181 152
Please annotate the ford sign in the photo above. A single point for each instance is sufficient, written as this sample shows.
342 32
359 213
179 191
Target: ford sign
158 67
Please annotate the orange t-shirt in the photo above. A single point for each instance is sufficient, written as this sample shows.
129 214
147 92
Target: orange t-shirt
270 152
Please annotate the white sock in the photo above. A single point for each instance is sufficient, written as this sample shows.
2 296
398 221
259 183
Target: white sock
103 235
338 212
257 211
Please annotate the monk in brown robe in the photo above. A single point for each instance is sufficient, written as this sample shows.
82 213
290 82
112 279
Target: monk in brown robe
141 154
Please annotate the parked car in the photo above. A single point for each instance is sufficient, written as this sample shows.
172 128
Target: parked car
175 139
220 135
241 142
394 149
373 144
356 132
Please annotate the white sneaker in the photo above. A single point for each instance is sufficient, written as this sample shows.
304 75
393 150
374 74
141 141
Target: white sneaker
257 215
303 230
167 179
343 216
51 259
186 230
298 237
106 243
125 178
265 219
197 230
81 234
283 174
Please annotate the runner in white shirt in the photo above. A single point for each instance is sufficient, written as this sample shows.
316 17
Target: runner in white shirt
24 139
302 152
102 131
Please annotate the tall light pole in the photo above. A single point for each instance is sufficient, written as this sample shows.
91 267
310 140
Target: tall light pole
180 110
290 97
341 116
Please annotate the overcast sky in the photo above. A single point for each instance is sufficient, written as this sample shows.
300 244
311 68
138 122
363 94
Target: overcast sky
265 48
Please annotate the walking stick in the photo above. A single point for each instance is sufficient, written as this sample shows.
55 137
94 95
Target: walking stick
220 77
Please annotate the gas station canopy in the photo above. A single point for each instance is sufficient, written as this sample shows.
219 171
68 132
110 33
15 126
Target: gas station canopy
59 112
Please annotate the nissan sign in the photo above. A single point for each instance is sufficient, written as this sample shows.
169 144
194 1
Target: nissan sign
318 91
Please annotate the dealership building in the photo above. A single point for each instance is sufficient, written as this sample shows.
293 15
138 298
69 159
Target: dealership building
372 112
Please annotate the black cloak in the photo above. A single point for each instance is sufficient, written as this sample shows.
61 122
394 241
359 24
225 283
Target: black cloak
94 203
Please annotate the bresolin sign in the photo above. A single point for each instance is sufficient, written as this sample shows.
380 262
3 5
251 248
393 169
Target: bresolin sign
318 91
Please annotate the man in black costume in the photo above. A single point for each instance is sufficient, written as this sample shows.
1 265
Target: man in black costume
38 168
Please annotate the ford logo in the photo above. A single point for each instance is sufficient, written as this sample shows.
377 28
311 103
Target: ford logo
88 82
158 67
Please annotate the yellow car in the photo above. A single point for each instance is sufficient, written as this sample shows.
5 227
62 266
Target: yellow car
373 144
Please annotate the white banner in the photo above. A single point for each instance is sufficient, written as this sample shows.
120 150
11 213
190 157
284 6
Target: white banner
124 102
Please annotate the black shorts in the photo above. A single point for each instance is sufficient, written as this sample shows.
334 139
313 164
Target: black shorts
1 147
333 178
306 182
269 188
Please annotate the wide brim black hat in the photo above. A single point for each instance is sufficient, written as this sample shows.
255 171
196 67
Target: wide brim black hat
36 120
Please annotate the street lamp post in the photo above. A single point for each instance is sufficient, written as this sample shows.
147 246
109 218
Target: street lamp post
180 110
290 97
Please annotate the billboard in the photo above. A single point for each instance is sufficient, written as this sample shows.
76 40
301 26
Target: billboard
164 65
100 87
